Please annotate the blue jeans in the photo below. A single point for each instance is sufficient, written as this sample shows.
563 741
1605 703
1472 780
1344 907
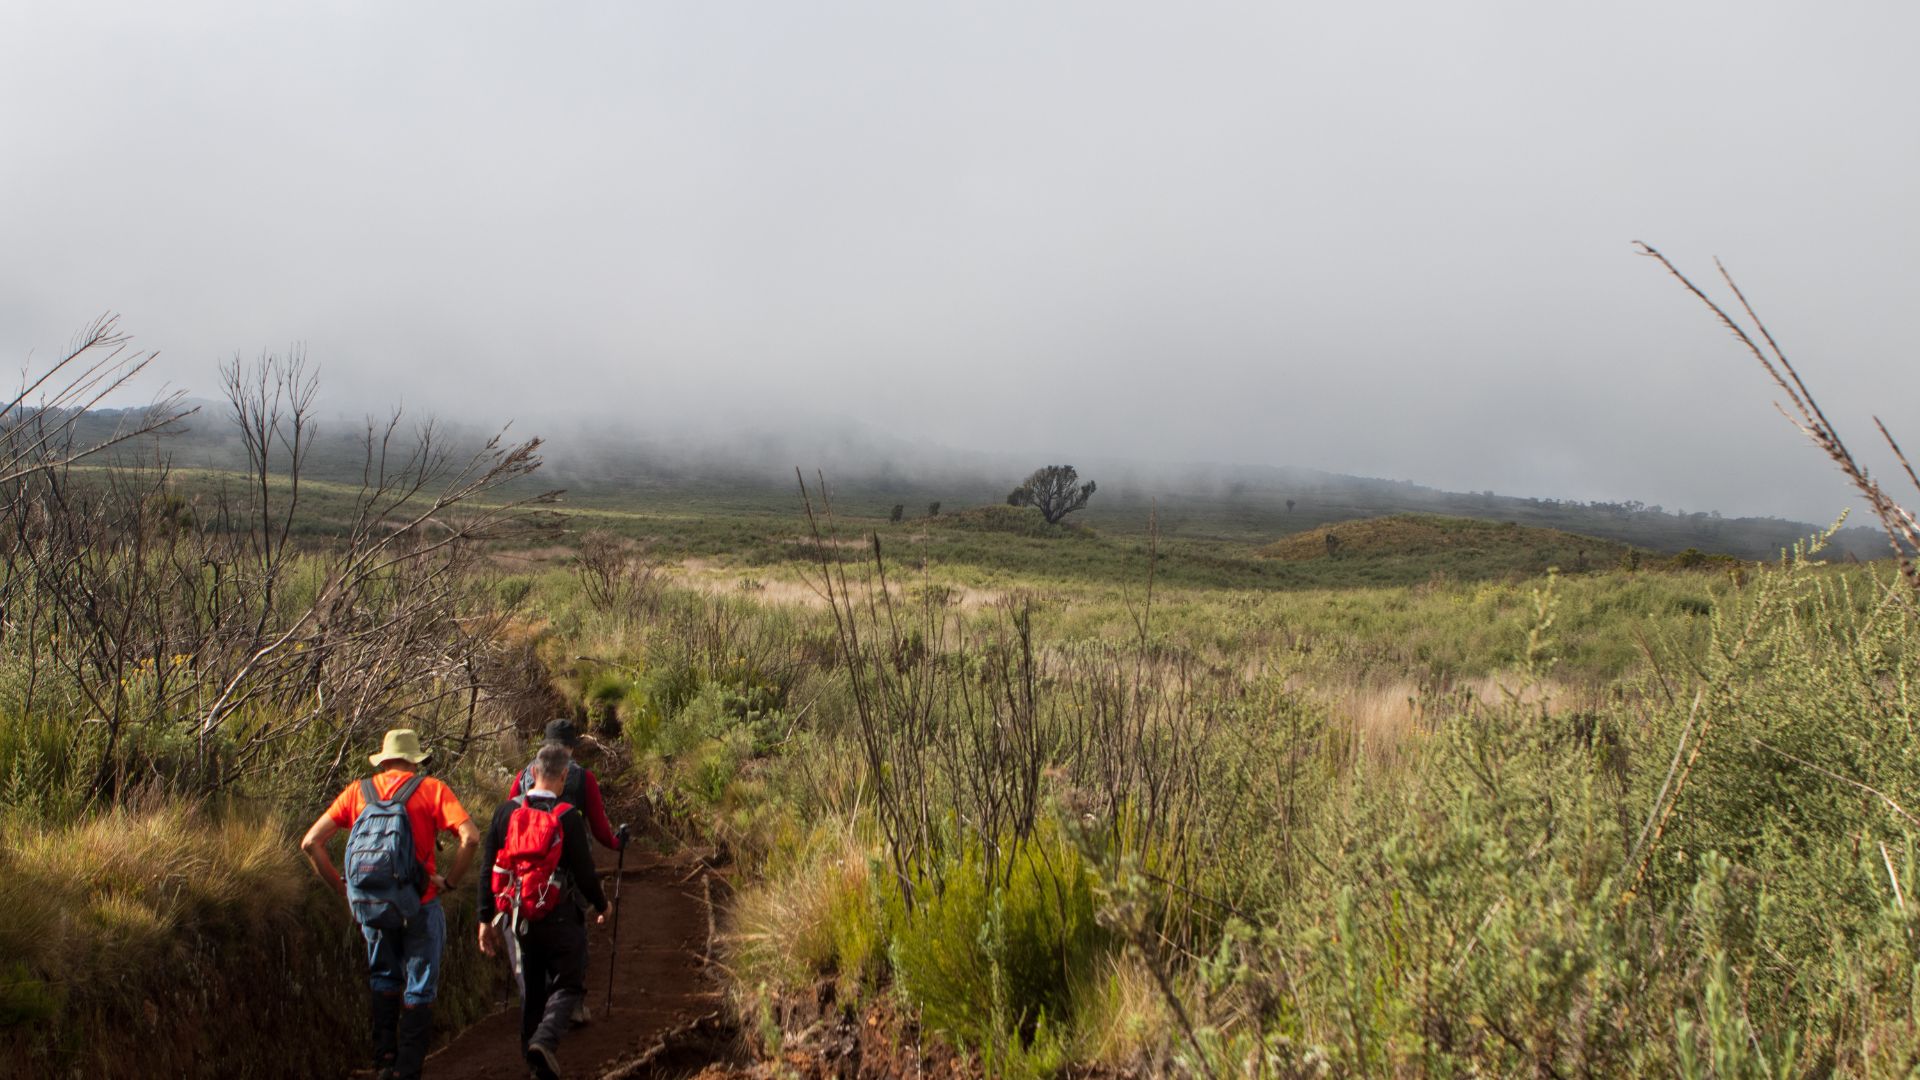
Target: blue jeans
408 959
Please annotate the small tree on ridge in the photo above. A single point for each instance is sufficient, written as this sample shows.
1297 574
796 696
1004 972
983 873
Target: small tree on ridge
1054 490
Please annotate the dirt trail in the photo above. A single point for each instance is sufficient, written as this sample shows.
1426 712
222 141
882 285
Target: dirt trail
663 998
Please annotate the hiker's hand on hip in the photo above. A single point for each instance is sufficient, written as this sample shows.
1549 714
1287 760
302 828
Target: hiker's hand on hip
440 884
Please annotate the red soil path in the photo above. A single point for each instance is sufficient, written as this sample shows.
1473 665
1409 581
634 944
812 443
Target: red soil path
662 990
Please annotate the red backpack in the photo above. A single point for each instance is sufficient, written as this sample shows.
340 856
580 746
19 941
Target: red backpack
527 880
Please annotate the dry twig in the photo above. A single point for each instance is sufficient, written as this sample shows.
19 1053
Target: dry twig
1900 524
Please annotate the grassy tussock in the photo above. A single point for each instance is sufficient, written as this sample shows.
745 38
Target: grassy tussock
1123 1020
1388 721
138 940
811 918
92 901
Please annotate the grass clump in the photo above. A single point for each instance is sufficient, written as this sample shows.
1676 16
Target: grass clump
93 899
107 912
812 917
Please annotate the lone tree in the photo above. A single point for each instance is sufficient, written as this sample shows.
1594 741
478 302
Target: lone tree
1055 491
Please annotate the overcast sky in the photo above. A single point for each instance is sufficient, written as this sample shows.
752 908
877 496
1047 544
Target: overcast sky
1382 238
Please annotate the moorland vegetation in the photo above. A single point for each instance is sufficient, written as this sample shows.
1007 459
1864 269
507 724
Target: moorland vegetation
1055 798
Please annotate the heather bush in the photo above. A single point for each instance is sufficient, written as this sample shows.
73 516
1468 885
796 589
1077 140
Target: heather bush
997 953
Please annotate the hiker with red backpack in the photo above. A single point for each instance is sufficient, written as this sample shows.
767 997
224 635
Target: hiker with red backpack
542 873
392 820
582 792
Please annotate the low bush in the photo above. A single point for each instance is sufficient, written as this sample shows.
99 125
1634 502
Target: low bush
998 953
1018 521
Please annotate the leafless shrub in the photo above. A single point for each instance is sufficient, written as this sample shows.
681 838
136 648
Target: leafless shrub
972 723
40 423
895 691
200 616
613 572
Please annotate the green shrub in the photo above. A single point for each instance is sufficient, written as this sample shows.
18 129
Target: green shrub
41 776
606 688
995 956
513 591
672 681
715 765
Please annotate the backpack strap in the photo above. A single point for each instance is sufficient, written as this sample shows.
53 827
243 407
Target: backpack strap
401 795
560 876
368 793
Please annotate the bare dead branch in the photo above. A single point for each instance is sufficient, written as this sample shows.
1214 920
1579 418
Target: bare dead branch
1901 527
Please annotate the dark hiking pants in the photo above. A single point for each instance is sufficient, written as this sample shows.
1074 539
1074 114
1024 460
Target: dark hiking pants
553 960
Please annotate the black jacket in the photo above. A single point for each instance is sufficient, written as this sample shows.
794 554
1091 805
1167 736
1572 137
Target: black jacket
576 854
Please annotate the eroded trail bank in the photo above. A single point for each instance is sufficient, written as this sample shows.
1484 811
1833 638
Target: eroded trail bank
666 1003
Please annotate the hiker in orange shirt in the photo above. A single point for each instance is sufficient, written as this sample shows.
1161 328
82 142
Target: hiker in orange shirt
390 884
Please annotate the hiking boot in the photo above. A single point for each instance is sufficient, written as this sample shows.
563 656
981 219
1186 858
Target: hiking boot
580 1014
416 1031
385 1012
544 1062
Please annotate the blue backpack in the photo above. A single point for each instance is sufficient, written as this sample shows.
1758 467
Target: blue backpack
384 877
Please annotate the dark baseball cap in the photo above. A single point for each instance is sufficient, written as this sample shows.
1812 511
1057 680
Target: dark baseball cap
562 730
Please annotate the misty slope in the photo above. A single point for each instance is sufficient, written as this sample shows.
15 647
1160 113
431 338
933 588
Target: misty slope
868 472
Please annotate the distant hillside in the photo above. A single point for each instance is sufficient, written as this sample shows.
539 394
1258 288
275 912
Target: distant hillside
1327 499
870 472
1252 505
1488 547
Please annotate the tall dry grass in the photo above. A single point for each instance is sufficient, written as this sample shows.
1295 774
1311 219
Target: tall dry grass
141 941
91 903
1385 720
810 916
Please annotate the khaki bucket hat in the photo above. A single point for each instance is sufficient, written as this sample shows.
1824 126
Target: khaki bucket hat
402 744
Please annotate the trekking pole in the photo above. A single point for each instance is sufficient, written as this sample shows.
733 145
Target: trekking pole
613 949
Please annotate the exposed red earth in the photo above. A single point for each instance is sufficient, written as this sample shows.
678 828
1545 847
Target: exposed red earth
666 1004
